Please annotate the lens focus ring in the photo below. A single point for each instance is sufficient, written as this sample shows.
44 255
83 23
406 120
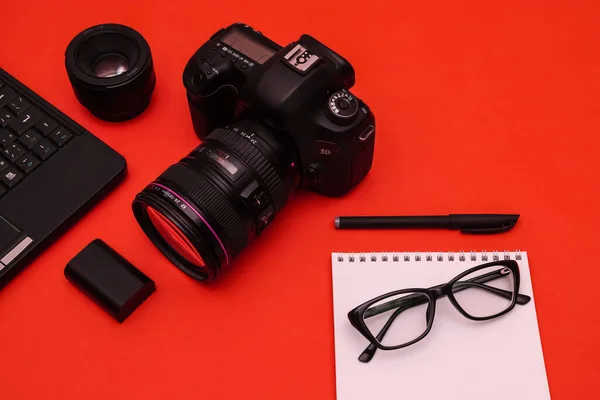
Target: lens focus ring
257 161
213 202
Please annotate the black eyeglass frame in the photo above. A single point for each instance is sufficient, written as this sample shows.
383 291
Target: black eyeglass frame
357 315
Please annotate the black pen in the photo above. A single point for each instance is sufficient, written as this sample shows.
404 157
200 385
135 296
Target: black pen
467 223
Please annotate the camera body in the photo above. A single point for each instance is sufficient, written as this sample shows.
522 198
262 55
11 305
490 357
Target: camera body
299 92
271 119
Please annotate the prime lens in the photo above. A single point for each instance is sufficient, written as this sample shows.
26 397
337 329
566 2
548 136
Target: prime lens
111 70
203 211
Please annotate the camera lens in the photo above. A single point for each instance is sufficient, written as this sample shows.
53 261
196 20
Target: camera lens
203 211
111 70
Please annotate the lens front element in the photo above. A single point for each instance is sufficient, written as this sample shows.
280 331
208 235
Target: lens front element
175 238
109 65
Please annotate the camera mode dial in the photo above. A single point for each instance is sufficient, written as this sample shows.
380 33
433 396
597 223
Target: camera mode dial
343 107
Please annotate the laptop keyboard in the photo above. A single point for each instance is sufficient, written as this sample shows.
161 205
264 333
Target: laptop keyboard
28 137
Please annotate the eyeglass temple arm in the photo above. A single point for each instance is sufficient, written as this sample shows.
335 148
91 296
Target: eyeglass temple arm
477 282
413 300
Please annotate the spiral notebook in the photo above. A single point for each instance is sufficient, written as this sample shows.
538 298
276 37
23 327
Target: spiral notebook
459 359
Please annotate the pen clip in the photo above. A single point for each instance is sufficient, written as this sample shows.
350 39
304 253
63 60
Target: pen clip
499 229
483 223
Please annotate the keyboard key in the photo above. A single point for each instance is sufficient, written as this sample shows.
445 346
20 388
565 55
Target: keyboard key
2 190
5 117
30 138
44 149
6 96
1 84
60 136
18 105
7 137
25 121
46 125
3 164
13 152
11 176
28 163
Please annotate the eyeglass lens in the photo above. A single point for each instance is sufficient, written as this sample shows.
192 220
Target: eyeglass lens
485 292
398 319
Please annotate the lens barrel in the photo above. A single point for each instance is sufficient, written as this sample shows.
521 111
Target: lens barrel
221 196
111 70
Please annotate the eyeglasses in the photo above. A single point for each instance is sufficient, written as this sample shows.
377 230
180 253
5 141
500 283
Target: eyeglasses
401 318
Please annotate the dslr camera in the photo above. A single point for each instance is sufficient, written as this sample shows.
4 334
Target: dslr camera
271 119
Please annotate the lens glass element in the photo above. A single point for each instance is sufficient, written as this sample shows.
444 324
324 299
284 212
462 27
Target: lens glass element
176 239
110 65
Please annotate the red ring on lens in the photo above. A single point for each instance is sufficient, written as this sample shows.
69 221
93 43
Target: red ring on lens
190 207
175 238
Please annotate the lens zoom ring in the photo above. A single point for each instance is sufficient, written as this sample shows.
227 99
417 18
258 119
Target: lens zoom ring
212 202
257 161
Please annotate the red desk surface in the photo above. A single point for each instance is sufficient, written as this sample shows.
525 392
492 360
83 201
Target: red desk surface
480 108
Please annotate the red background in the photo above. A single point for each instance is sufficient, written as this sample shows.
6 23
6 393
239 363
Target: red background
480 107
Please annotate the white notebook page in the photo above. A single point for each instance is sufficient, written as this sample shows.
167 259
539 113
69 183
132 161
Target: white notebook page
460 359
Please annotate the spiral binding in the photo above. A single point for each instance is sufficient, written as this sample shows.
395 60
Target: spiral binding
450 256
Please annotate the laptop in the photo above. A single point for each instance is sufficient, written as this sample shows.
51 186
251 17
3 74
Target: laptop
51 172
